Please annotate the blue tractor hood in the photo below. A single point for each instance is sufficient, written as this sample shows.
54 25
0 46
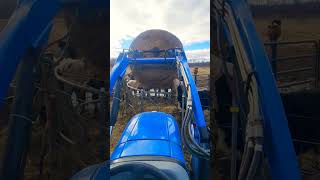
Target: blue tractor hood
150 134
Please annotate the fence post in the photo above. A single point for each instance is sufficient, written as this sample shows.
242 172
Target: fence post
195 73
317 73
274 58
102 110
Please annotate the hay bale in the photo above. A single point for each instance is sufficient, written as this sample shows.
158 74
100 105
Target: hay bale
155 76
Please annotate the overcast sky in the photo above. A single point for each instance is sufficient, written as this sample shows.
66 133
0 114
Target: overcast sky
188 20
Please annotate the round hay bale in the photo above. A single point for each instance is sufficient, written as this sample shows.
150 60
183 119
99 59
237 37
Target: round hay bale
155 76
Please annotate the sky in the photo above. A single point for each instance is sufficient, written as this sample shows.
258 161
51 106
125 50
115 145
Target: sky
188 20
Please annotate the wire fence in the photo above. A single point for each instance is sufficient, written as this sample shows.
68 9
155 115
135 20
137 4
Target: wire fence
138 100
295 63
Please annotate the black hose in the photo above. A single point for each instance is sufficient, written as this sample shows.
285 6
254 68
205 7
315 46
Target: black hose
188 140
183 128
183 133
198 147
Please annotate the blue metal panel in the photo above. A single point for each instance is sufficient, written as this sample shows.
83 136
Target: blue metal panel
127 132
196 103
152 60
146 122
123 61
176 152
118 70
117 151
149 148
150 134
27 27
278 144
173 130
144 128
146 147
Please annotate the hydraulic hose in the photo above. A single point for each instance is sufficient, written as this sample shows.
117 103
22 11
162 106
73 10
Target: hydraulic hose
188 140
247 157
203 151
253 154
185 136
256 161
